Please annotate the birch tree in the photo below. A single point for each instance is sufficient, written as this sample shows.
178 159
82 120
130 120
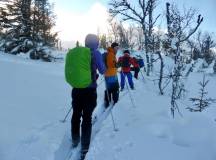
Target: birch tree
180 28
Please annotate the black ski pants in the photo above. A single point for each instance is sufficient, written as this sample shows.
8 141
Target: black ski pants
111 95
83 101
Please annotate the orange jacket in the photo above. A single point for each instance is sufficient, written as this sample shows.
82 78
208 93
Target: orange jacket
111 63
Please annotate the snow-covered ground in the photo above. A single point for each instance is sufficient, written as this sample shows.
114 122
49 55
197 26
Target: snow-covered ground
34 97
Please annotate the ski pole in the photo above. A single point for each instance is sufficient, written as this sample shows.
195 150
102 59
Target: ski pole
132 101
107 94
63 121
114 126
142 76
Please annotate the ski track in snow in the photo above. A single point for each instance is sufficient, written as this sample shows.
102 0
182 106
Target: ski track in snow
35 136
65 151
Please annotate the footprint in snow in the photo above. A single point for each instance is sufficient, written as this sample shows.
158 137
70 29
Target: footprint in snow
118 149
127 124
31 139
36 134
160 131
46 126
129 144
181 142
111 135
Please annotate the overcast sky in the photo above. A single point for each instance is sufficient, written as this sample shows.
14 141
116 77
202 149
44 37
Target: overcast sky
76 18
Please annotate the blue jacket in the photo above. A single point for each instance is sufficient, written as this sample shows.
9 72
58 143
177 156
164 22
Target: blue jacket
92 42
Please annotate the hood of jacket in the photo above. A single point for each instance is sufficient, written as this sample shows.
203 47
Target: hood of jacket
92 41
110 49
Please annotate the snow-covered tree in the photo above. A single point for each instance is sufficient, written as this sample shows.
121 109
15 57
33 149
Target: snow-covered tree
43 21
203 44
14 18
201 102
103 41
214 67
123 41
112 31
27 27
2 19
125 36
180 29
208 44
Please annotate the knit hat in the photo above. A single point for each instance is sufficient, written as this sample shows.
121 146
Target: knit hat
114 44
126 51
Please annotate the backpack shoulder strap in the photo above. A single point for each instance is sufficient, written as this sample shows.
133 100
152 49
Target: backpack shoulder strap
105 58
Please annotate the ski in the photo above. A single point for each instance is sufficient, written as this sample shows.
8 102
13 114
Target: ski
98 123
102 116
96 126
74 153
95 118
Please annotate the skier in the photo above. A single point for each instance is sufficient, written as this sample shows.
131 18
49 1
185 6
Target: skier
125 62
80 71
140 62
111 79
135 68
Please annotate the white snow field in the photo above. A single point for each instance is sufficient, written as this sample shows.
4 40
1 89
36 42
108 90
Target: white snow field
34 97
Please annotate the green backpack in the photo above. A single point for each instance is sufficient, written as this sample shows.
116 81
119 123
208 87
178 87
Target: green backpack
78 67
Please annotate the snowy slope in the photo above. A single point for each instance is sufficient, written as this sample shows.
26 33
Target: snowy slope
34 97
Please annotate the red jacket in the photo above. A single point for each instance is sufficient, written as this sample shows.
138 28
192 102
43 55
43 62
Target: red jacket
130 62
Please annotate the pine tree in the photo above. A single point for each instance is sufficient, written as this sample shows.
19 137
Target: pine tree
27 27
3 18
201 102
77 44
103 41
208 44
43 19
26 18
17 25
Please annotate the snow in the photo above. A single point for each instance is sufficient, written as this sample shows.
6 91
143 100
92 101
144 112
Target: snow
173 42
34 97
